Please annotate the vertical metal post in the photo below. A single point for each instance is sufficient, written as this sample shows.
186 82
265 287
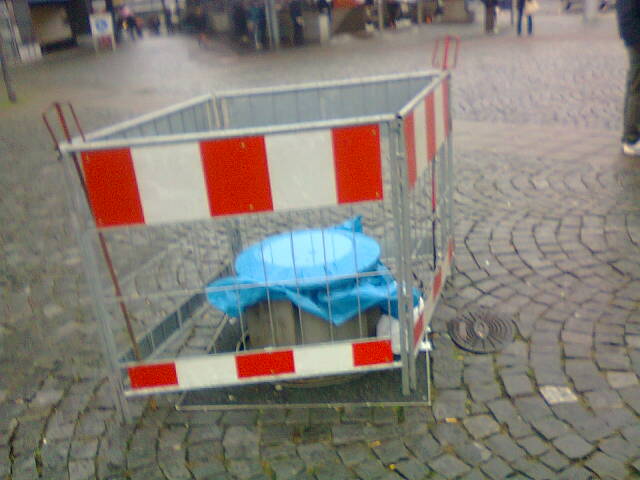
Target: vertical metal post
11 94
381 14
420 12
398 173
451 175
272 24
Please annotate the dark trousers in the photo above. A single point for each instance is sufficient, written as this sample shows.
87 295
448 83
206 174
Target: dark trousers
489 16
298 33
529 22
631 133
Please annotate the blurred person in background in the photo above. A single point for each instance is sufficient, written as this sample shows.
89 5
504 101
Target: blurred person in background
628 12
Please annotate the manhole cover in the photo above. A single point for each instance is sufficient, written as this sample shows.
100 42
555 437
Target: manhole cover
482 331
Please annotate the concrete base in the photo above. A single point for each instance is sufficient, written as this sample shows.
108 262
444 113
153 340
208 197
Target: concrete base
292 326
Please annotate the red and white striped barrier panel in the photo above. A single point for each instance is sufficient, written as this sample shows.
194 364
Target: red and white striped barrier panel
442 272
260 366
426 128
196 180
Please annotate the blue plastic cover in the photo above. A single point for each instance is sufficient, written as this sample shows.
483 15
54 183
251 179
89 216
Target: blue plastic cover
313 269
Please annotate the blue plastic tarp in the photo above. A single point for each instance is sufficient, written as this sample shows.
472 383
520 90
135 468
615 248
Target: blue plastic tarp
313 269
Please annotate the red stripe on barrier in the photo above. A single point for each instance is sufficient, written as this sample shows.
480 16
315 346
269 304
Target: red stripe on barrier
159 375
237 175
372 353
430 112
356 152
112 187
410 147
450 251
437 284
261 364
418 330
445 107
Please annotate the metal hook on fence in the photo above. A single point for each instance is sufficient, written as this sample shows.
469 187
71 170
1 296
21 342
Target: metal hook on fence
444 62
59 109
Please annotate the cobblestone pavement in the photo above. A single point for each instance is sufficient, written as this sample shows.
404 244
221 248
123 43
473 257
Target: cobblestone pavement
548 230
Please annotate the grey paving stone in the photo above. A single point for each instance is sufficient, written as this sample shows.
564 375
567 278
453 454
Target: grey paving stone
496 468
83 449
411 469
505 447
199 434
354 454
472 453
205 418
151 472
531 408
24 468
533 469
622 379
373 469
483 392
550 427
618 448
314 433
593 429
617 418
449 466
332 471
450 434
573 446
81 469
323 415
391 451
287 468
275 434
205 451
245 469
206 471
604 399
533 445
239 417
357 414
298 416
517 385
450 404
631 433
317 454
275 452
481 426
240 442
475 474
272 416
575 473
347 433
424 447
606 466
384 416
554 460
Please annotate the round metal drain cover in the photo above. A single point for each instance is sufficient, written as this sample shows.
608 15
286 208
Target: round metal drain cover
482 331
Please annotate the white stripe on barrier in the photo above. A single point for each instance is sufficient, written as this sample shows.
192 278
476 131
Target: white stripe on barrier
198 372
420 128
335 358
171 182
301 169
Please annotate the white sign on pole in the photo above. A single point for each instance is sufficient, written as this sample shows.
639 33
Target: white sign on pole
102 31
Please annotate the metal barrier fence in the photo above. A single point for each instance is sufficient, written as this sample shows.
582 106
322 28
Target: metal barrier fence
164 204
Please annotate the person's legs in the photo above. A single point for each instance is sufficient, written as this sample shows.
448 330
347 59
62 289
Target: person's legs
631 132
519 21
529 24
